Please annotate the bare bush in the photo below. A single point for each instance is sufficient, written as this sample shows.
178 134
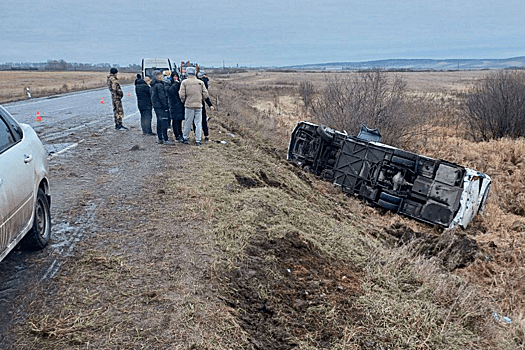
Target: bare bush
496 107
370 98
307 93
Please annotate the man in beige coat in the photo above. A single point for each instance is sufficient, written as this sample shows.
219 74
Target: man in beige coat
192 92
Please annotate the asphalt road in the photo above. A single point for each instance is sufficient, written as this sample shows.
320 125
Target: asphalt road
67 118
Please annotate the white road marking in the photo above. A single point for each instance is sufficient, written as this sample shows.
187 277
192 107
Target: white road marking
131 115
79 142
59 134
51 156
63 109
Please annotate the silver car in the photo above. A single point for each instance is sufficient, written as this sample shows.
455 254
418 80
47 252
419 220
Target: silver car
24 187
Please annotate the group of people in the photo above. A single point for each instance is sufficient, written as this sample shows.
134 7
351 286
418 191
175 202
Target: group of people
173 101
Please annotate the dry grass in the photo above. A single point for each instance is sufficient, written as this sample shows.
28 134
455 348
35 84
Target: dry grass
503 223
13 83
142 281
421 82
245 194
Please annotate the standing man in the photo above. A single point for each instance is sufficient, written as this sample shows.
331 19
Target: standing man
192 92
139 77
176 107
202 76
142 90
116 98
159 100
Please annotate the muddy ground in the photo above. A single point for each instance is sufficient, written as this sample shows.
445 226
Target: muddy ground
104 186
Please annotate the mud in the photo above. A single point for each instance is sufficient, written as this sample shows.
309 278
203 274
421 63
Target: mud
261 179
453 248
106 163
284 289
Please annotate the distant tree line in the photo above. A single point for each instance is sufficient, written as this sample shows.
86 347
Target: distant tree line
62 65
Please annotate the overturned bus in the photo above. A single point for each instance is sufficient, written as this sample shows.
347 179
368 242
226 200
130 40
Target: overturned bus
430 190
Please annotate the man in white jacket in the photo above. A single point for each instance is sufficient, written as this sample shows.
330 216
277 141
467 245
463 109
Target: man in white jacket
192 92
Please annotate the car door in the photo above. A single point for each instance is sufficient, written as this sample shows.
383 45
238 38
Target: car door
17 183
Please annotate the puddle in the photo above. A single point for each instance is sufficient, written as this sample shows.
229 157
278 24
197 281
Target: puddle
60 232
57 147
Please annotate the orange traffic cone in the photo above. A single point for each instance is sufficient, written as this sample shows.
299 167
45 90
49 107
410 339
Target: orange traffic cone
102 100
38 117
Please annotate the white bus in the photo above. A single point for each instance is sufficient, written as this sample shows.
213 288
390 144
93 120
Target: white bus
430 190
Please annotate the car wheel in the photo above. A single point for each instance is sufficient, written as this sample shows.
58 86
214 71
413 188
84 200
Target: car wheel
324 132
40 233
405 154
403 161
390 198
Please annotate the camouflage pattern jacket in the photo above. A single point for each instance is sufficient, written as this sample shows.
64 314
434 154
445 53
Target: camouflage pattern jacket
114 86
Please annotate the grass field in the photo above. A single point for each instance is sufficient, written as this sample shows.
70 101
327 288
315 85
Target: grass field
13 84
417 81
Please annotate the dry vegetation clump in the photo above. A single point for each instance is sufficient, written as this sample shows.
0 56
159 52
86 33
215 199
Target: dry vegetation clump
307 91
371 98
496 106
13 83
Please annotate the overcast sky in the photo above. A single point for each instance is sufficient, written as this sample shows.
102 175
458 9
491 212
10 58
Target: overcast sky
259 33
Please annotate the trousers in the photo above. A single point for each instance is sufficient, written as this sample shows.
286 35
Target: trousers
193 115
118 111
163 121
177 128
145 120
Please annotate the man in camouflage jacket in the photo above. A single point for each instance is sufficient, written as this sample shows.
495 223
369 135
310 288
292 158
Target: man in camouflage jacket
116 98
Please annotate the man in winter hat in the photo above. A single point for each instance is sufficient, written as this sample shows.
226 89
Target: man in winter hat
116 98
192 92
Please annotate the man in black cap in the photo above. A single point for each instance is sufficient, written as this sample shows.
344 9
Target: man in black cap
116 98
202 76
143 92
160 102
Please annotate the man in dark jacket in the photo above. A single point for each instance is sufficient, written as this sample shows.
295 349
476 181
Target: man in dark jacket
142 90
176 107
159 100
139 77
202 76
